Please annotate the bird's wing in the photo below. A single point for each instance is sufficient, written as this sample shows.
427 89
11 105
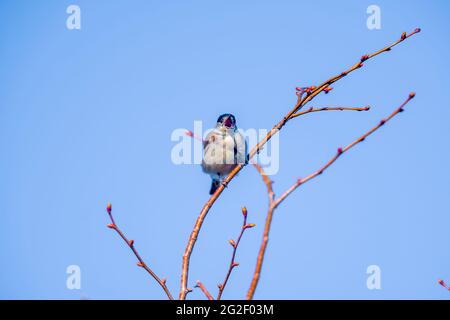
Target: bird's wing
240 147
210 138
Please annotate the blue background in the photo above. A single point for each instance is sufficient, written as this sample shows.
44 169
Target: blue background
86 117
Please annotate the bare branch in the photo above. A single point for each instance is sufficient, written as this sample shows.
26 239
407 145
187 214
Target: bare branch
267 182
205 291
312 109
235 245
325 86
130 244
442 283
310 93
276 203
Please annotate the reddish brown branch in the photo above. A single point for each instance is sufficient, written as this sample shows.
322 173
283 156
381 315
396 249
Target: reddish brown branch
130 244
266 180
312 109
235 245
313 91
274 204
442 283
205 291
309 93
340 151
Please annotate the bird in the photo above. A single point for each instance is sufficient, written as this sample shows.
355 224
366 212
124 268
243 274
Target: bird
223 148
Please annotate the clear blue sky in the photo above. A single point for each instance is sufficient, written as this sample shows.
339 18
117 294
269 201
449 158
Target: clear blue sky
86 117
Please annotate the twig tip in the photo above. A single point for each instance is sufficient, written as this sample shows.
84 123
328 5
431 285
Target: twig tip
244 212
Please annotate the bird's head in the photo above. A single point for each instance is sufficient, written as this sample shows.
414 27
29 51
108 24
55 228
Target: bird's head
227 120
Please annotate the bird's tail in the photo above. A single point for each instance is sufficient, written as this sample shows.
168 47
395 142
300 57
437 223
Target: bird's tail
214 185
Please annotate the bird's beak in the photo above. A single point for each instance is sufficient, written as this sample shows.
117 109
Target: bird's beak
228 123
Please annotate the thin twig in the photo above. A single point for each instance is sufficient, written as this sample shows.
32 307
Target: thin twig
267 182
314 91
276 203
141 263
311 92
205 291
189 133
442 283
312 109
235 245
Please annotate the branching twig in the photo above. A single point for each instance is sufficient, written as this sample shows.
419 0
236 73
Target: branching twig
325 86
141 263
275 203
310 92
267 181
235 245
205 291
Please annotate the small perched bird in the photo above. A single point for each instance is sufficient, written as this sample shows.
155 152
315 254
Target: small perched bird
224 148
